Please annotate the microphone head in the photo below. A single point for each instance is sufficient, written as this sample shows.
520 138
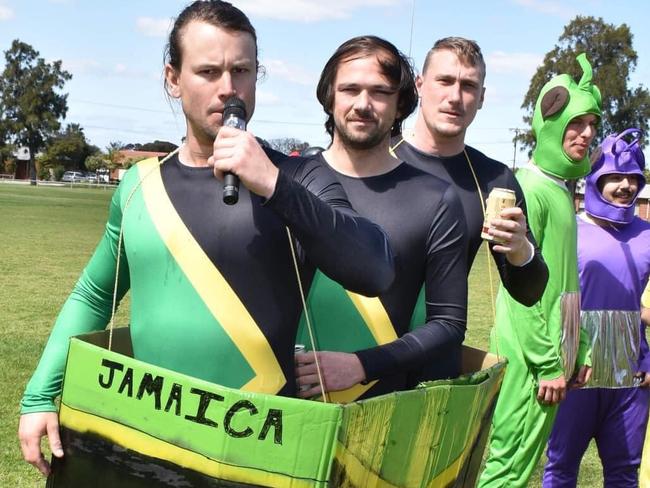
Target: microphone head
234 107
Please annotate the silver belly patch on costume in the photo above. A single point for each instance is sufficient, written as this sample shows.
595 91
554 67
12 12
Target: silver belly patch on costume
615 339
570 310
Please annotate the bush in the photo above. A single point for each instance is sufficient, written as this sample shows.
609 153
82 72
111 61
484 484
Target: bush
9 167
43 173
58 171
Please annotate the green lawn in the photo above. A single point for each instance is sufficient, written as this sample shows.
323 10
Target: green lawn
46 236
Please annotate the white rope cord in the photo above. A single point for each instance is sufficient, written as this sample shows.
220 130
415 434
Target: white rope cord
307 320
487 251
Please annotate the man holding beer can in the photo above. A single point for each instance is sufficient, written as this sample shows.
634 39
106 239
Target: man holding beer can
451 90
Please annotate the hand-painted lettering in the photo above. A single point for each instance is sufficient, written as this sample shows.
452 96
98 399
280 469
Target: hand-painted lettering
112 365
240 405
151 385
204 403
273 419
148 385
175 397
127 382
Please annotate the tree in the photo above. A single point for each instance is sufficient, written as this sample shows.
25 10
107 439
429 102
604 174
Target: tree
287 144
155 146
609 49
113 153
68 148
6 150
97 161
31 106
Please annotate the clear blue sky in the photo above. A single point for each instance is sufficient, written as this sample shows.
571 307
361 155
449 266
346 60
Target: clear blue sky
114 52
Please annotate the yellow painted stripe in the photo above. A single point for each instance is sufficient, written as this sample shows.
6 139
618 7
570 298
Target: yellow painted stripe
356 472
360 475
349 395
451 472
375 316
153 447
212 287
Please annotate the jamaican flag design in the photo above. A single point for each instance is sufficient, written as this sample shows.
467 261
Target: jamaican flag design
346 321
128 423
219 324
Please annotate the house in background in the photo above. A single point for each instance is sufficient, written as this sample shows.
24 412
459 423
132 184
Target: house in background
127 157
21 156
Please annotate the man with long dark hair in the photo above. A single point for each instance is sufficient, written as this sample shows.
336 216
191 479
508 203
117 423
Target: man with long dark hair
367 89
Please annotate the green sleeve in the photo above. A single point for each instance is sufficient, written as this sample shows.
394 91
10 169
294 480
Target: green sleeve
87 309
530 324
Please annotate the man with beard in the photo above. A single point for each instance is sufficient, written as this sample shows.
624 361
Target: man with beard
367 89
213 291
614 265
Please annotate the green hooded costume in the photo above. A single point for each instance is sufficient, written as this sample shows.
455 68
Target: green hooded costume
542 342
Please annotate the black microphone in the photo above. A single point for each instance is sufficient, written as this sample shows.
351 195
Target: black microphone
234 115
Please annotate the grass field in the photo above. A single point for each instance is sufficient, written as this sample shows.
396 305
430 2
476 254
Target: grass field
46 236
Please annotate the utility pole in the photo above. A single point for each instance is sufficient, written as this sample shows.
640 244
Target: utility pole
516 130
412 22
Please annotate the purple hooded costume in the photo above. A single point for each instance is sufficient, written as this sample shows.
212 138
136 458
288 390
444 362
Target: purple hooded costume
614 264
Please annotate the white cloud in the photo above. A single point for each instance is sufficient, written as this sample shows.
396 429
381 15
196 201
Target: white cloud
550 7
92 67
513 63
82 66
124 71
6 13
151 27
266 98
278 69
309 10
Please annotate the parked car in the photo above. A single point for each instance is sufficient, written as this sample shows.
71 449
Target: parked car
103 175
73 177
91 177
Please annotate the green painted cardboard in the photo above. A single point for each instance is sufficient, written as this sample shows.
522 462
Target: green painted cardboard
127 421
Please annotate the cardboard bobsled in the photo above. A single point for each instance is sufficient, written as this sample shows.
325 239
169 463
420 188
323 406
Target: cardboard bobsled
126 423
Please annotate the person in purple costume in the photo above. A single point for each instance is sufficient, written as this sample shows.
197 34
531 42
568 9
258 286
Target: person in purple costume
614 264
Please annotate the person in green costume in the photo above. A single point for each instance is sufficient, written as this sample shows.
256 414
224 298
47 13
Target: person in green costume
543 343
